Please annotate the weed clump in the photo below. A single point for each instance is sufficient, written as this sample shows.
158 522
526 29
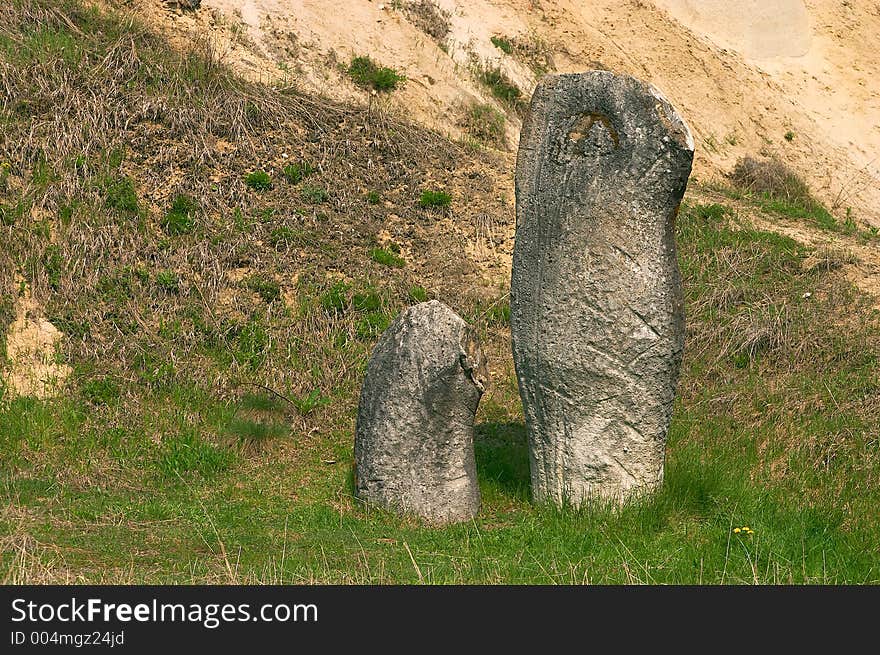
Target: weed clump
100 391
335 299
53 265
168 281
285 237
179 219
307 404
431 199
119 194
268 289
386 257
501 86
368 74
371 325
294 173
418 293
315 195
503 44
258 180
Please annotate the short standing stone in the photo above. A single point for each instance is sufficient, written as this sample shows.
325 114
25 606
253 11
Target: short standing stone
597 314
414 442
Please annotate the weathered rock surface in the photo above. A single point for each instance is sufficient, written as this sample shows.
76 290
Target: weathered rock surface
597 315
414 450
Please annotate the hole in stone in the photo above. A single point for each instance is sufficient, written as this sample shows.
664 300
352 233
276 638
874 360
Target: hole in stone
589 127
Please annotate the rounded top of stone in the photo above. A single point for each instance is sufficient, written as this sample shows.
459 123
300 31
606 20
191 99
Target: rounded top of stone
621 102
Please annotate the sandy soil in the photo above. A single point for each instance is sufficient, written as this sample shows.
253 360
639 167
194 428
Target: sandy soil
30 348
743 74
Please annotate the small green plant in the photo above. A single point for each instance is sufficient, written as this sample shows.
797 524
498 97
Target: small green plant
294 173
418 293
252 345
53 265
314 194
179 218
168 281
12 214
371 325
307 404
258 180
116 287
710 213
502 44
431 199
498 313
373 197
789 136
335 299
366 73
369 301
42 174
65 213
119 194
100 391
386 257
268 289
5 168
501 86
285 237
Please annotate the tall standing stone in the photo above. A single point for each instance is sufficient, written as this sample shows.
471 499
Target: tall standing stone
414 442
597 315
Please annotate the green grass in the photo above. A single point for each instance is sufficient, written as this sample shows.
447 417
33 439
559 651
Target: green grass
211 433
258 181
386 257
267 288
432 199
501 86
120 194
502 44
314 195
418 293
368 74
783 445
168 281
180 218
294 173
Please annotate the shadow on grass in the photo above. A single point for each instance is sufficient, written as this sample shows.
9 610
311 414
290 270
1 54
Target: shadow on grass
502 455
502 458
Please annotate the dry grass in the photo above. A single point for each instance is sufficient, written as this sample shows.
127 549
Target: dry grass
772 177
427 16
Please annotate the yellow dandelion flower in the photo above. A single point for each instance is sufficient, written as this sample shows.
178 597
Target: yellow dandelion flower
737 530
746 528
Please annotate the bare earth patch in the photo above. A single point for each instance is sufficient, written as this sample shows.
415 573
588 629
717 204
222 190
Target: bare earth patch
30 348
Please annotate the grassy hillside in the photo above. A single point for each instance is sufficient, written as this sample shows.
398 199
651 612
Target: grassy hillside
221 258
